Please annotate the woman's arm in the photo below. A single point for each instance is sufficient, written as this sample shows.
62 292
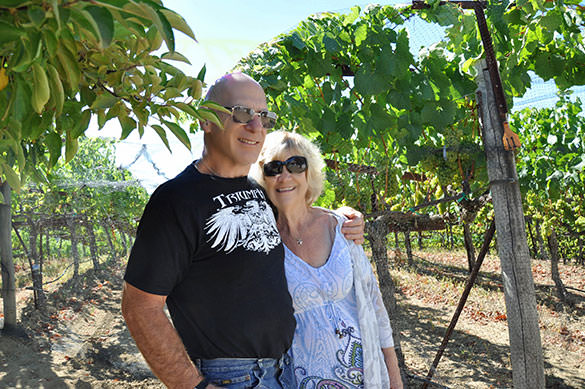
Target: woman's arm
392 366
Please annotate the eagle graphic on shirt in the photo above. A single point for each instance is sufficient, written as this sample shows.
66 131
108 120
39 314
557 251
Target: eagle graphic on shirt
251 226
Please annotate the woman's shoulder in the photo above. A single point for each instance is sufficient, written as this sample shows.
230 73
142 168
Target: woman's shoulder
330 218
329 213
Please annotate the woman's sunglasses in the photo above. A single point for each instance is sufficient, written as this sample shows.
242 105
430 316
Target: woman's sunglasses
296 164
241 114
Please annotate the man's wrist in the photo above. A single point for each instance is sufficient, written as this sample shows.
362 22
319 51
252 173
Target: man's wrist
202 384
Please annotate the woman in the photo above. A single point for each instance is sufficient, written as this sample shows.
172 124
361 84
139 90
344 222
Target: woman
343 337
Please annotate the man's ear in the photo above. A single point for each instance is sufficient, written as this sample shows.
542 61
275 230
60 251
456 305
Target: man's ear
205 125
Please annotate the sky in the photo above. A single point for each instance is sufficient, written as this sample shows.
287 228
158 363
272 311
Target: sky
226 31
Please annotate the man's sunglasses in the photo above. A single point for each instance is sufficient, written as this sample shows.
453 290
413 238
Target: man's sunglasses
296 164
241 114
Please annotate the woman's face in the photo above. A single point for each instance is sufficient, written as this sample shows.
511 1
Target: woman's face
286 189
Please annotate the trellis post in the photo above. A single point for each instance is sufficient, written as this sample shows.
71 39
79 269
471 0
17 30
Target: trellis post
524 332
6 263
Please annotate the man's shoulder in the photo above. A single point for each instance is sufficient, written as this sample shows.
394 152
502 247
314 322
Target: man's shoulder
189 174
178 186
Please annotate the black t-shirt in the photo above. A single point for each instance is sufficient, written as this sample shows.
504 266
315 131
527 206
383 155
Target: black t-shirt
211 245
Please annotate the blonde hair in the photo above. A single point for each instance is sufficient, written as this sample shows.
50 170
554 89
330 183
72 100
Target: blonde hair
278 143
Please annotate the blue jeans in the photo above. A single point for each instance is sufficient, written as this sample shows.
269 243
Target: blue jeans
239 373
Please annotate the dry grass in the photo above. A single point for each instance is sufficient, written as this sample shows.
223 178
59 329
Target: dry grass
477 355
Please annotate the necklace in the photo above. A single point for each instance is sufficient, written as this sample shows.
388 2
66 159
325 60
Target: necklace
206 166
299 240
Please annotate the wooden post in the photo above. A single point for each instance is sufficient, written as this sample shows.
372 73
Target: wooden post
553 245
30 263
36 267
124 243
6 263
74 240
469 249
408 247
47 245
396 243
106 228
59 254
541 248
92 244
534 250
525 343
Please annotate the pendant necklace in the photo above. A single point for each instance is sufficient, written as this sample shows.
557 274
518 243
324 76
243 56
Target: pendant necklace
299 240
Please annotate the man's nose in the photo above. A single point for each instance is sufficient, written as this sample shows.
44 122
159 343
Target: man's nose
255 124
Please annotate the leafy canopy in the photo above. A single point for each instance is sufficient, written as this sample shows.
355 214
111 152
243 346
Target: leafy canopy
66 62
351 82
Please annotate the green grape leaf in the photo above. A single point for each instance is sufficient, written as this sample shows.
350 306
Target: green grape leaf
104 23
179 133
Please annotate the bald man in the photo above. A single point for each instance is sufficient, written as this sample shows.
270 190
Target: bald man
207 246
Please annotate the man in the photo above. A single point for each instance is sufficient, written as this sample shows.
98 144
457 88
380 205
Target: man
208 248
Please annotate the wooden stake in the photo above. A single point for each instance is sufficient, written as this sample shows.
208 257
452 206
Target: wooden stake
525 343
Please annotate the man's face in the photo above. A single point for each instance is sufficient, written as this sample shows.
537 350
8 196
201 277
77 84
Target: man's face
235 147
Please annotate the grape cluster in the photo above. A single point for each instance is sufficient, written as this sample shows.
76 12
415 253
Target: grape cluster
458 156
445 170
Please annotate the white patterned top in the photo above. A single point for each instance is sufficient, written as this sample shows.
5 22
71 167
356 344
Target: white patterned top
327 346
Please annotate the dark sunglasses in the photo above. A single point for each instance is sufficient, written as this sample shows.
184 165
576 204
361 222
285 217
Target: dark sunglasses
296 164
241 114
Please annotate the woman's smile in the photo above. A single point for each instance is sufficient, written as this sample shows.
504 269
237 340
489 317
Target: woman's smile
285 189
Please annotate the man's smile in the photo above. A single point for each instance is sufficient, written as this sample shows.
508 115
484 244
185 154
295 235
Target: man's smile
249 141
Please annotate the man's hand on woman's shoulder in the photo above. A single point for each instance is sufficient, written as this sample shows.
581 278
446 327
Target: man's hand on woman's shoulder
353 228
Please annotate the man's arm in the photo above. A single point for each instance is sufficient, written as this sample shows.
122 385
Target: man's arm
157 339
353 228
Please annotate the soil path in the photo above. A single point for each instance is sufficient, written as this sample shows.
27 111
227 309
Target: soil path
80 342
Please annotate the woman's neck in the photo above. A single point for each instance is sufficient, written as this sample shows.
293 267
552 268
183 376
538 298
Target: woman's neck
292 221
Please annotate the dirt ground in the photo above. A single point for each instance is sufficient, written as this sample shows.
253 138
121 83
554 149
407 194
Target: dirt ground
81 340
478 352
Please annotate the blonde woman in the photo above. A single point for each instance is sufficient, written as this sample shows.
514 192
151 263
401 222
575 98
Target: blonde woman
343 337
